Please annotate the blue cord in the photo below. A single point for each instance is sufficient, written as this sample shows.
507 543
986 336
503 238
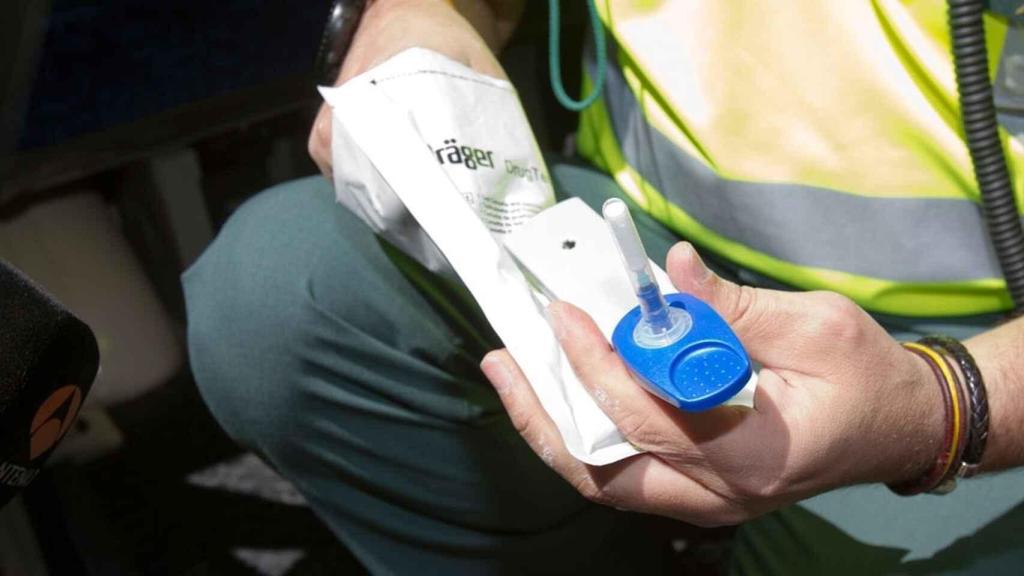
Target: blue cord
554 57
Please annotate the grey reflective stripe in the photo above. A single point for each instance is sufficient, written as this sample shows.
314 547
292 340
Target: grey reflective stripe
901 239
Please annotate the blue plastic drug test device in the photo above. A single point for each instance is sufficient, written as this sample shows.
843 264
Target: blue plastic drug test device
677 346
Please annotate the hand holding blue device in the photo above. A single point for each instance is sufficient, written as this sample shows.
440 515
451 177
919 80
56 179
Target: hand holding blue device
676 345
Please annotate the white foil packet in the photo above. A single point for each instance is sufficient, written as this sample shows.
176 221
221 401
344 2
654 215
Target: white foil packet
440 160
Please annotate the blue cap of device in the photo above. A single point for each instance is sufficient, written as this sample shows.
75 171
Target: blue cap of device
702 369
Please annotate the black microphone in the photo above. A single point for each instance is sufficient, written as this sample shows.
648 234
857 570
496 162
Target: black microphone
48 360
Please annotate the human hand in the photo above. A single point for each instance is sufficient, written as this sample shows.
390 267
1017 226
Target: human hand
391 26
838 402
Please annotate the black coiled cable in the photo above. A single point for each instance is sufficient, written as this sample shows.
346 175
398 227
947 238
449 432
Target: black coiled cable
978 109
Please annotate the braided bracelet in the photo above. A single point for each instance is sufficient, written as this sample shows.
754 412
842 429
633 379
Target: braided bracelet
977 396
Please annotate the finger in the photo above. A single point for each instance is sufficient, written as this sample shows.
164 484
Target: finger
642 483
649 485
795 330
645 420
529 417
636 413
319 144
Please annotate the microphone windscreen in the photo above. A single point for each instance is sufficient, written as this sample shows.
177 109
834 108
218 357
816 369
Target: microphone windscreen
48 361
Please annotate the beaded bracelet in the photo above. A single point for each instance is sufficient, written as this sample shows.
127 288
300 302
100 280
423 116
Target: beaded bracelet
953 441
977 397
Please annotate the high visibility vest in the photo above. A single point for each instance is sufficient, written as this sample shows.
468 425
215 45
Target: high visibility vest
816 142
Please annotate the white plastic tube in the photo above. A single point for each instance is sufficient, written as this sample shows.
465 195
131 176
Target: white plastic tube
660 324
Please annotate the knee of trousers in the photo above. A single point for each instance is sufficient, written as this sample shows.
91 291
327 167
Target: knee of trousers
250 304
295 285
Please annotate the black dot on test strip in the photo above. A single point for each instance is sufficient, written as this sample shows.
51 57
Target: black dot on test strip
568 244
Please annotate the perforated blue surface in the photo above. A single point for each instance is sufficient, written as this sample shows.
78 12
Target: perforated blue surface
705 368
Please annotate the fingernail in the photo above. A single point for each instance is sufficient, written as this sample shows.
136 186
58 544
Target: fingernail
497 372
701 271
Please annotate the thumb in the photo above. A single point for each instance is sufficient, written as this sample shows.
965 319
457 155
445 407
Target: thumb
780 329
319 144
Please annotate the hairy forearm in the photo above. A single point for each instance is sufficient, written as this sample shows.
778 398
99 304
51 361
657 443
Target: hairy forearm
469 32
999 354
494 20
466 31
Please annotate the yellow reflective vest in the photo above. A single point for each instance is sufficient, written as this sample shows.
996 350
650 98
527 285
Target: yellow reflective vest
817 142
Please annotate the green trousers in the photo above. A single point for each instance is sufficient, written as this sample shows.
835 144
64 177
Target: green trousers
354 372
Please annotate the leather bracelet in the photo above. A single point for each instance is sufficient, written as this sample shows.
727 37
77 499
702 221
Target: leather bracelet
977 396
934 476
340 29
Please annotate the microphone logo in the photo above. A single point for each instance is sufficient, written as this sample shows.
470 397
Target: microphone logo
53 419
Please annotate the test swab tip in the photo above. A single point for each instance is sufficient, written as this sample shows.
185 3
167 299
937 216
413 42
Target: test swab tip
616 214
614 209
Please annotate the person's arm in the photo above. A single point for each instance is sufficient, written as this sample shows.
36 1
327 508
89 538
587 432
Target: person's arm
839 402
999 354
494 20
469 31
